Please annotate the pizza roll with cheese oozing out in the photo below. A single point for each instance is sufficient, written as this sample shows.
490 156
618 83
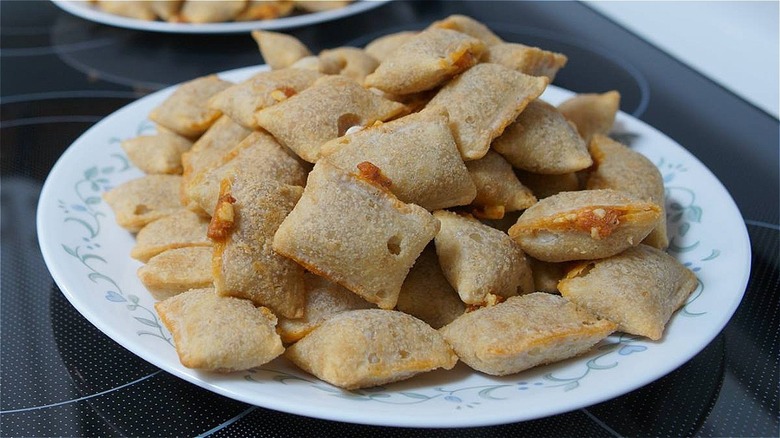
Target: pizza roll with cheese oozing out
322 112
526 59
542 141
469 26
483 101
178 230
638 289
479 261
159 153
265 10
324 299
498 189
584 225
542 185
248 213
259 153
210 11
416 152
371 347
620 168
140 201
350 229
186 111
426 294
279 50
524 332
219 334
140 10
592 113
382 47
241 101
425 61
177 270
166 10
351 62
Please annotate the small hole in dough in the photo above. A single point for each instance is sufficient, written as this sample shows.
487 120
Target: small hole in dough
394 245
141 209
347 121
475 237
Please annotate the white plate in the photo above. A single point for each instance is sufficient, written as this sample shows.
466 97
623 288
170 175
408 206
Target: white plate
88 256
83 9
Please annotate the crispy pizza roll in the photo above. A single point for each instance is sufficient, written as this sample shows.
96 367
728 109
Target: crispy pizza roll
248 213
483 101
584 225
177 270
426 294
638 289
620 168
382 47
351 62
351 230
320 5
324 299
479 261
241 101
416 152
140 10
371 347
279 50
142 200
178 230
592 113
159 153
425 61
186 111
542 141
524 332
265 10
166 10
526 59
547 275
469 26
219 334
542 185
323 112
210 11
498 189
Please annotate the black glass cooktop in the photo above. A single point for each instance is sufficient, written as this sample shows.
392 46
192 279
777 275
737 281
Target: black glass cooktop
59 75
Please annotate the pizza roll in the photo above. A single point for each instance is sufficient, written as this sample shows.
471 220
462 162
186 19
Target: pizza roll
241 101
524 332
178 230
483 101
498 189
219 334
320 5
620 168
371 347
542 141
323 112
324 299
638 289
186 111
382 47
542 185
166 10
177 270
142 200
351 230
469 26
526 59
140 10
426 294
416 152
584 225
265 10
248 213
210 11
425 61
159 153
351 62
592 113
279 50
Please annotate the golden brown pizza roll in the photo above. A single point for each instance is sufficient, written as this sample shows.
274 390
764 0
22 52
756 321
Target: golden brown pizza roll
320 5
159 153
265 10
248 213
620 168
177 230
380 48
483 101
592 113
177 270
210 11
584 225
416 152
524 332
142 200
241 101
542 185
542 141
166 10
371 347
219 334
140 10
350 229
426 294
638 289
279 50
425 61
323 112
469 26
526 59
498 189
351 62
186 111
